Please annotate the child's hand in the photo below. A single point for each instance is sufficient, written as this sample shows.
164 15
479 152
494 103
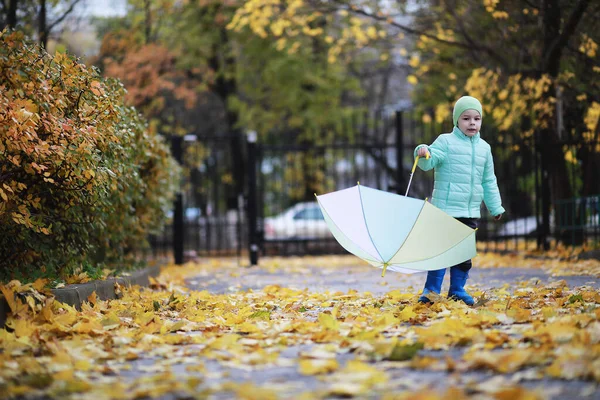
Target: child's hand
498 217
423 152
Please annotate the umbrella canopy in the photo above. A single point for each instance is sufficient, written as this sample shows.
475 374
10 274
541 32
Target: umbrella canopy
396 232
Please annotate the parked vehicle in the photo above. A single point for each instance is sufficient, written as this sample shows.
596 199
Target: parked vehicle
302 221
527 226
190 214
519 227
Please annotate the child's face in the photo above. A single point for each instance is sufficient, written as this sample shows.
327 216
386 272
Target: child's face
469 122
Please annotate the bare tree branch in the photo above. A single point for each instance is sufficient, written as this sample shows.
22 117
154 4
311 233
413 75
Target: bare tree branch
473 43
386 19
560 41
531 5
64 15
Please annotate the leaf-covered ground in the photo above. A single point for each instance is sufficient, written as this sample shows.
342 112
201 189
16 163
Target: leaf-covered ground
304 328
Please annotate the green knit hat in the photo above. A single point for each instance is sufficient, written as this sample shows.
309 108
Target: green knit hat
463 104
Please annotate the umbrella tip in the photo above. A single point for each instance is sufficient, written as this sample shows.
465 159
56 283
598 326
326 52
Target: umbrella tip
315 194
385 265
358 182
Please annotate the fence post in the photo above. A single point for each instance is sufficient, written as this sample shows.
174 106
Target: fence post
252 209
544 192
400 175
178 222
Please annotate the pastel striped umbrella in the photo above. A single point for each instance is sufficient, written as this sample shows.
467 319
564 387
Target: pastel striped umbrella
395 232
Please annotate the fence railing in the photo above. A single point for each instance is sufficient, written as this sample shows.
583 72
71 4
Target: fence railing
578 219
279 215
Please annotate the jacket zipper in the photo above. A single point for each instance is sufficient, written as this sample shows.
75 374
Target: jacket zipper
472 174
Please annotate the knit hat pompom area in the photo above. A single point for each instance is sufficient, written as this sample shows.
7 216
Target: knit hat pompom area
463 104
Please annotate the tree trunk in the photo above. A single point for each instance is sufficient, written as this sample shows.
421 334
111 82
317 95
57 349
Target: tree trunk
42 27
312 162
555 37
148 19
590 162
589 154
11 17
225 86
313 156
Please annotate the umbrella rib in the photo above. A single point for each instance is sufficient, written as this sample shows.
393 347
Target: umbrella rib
342 233
437 255
409 232
367 226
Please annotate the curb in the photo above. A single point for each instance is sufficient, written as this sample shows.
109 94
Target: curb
74 295
590 255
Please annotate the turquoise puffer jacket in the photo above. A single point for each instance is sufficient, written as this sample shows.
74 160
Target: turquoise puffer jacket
464 175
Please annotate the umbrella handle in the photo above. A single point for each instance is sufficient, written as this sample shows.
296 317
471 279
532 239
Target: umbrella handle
413 171
416 162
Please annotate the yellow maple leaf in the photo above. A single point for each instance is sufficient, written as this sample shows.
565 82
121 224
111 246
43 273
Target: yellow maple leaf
248 327
328 321
17 307
407 314
504 361
249 391
22 327
317 366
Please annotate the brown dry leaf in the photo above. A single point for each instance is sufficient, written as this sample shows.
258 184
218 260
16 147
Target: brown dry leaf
78 278
517 393
92 298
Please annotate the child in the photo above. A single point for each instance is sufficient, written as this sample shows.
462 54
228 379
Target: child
464 176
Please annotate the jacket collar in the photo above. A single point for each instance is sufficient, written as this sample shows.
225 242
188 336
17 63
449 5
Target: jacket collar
458 133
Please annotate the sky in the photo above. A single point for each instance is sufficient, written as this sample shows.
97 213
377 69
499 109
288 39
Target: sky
81 37
104 8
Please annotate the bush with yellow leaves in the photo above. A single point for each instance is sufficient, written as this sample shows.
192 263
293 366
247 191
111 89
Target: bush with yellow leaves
83 180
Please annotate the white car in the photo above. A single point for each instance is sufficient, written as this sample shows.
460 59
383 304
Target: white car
519 227
302 221
526 226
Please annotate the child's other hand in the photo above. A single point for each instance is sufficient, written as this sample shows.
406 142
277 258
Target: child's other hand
423 152
498 217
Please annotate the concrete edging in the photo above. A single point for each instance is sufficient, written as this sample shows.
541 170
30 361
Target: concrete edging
590 255
75 294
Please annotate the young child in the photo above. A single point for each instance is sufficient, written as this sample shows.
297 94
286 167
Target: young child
464 176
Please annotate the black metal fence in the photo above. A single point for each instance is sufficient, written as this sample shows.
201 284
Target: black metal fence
289 175
278 215
209 217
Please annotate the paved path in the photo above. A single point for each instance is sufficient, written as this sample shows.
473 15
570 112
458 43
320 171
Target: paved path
342 279
366 279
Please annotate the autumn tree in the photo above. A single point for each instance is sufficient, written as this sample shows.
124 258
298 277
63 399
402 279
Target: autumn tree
291 92
156 87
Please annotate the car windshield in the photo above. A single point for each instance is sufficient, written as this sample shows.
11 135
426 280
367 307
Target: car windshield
309 214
